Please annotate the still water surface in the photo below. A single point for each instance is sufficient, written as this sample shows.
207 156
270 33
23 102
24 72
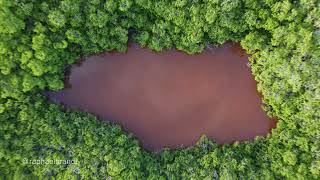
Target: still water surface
169 99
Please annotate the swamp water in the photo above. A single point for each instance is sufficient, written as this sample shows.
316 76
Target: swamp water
170 99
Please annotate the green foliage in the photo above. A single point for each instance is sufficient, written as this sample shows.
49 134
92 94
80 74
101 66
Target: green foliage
38 39
9 22
57 19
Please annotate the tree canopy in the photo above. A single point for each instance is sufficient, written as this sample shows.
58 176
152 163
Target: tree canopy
38 39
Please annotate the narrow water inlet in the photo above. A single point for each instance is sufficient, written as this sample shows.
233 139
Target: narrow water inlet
170 99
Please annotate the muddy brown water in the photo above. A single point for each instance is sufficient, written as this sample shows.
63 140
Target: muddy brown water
170 99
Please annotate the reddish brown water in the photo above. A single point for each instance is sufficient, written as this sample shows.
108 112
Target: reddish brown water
169 99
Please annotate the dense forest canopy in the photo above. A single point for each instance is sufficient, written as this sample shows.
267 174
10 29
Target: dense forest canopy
38 39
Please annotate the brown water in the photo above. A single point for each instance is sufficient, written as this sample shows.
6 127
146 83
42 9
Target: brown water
169 99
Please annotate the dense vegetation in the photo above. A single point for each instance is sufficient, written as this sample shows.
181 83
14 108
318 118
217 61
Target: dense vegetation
38 39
